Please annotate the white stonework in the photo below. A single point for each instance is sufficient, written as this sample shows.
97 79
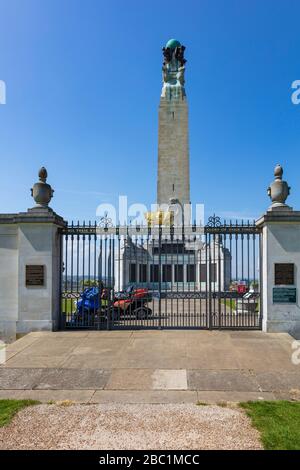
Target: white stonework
136 265
29 239
173 180
214 262
9 274
281 244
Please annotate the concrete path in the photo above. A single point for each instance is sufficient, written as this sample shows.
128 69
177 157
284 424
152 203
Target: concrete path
150 367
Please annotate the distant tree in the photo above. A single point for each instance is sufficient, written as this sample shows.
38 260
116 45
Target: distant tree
90 283
254 285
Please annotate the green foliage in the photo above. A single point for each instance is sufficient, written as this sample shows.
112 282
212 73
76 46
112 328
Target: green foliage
278 423
68 305
84 284
8 408
254 285
230 304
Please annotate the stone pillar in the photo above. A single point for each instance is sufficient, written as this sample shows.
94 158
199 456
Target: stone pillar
39 245
173 179
280 260
30 270
8 278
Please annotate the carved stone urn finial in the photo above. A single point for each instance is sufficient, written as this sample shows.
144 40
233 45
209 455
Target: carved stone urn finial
279 190
42 192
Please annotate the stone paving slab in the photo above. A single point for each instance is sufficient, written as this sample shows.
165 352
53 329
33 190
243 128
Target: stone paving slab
292 395
225 358
114 334
150 360
226 380
73 379
22 343
144 396
147 379
130 379
8 355
46 396
259 356
91 361
60 334
24 361
10 394
218 397
104 346
279 380
257 335
169 379
20 379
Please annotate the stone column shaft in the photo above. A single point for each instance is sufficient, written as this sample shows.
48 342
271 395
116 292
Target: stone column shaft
173 152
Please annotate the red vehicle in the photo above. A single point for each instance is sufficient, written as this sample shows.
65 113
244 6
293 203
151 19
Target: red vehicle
133 301
242 288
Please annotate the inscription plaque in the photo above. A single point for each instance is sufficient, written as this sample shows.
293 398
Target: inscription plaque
284 295
284 274
35 275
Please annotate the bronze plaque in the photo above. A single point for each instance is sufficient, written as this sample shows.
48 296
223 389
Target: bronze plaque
35 275
284 274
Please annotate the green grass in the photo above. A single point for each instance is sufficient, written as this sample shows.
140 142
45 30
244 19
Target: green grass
230 304
68 306
8 408
278 423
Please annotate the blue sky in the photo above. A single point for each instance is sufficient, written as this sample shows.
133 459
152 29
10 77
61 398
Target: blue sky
83 85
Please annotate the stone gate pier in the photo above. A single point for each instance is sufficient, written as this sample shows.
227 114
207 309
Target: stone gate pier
30 266
280 264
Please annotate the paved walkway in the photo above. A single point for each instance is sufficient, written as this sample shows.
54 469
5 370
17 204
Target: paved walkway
150 367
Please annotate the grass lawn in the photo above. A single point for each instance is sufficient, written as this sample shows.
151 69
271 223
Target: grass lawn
8 408
278 423
230 304
68 305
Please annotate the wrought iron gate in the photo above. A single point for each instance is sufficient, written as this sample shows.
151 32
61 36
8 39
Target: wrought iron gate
157 277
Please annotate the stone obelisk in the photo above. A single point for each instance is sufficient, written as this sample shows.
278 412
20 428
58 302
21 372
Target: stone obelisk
173 183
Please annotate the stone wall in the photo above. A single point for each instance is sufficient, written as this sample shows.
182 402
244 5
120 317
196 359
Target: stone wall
280 244
9 274
30 238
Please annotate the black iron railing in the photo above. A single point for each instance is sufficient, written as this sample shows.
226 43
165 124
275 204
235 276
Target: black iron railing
161 277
